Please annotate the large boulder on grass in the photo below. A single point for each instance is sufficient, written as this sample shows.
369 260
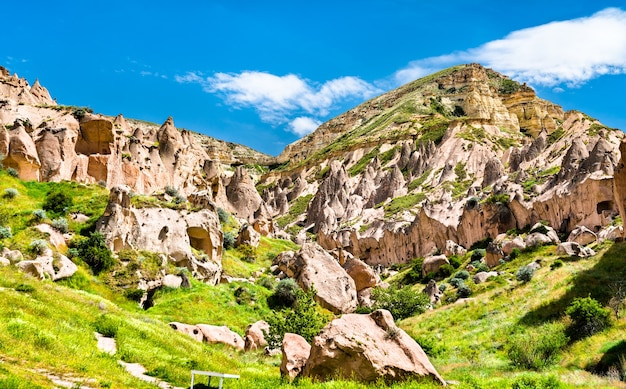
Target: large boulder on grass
295 351
254 338
221 334
582 235
433 263
368 348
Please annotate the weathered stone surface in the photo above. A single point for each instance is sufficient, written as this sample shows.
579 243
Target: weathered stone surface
574 249
172 281
4 261
363 275
433 263
165 230
188 329
248 235
221 334
254 338
582 235
516 243
454 249
12 255
313 267
243 198
483 276
432 291
367 348
493 254
296 352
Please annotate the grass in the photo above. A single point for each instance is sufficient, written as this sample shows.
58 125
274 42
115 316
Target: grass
399 204
298 207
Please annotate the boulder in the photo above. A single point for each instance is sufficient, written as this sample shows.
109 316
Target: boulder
432 263
453 248
364 297
296 352
432 291
493 254
516 243
242 196
582 235
574 249
172 281
367 348
534 265
611 233
248 235
188 329
221 334
362 274
254 338
313 267
4 261
537 239
483 276
14 256
49 265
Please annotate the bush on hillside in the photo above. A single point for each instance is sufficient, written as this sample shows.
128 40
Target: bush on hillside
94 252
10 193
401 302
229 240
106 325
284 295
537 349
57 202
38 246
223 215
171 191
463 275
478 254
39 215
588 317
13 172
302 318
5 232
60 224
528 381
463 291
524 274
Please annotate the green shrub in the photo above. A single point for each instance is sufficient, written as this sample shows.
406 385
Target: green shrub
10 193
248 253
171 191
179 199
134 294
401 302
442 288
455 261
537 349
445 271
303 318
267 282
229 240
514 253
38 246
463 291
556 264
528 381
478 254
107 325
524 274
482 266
94 252
39 214
588 317
57 202
222 215
25 288
60 224
432 346
5 232
284 295
456 282
13 172
463 275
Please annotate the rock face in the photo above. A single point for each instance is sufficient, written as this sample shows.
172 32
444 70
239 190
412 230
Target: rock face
367 348
254 339
296 352
221 334
574 249
313 267
165 230
48 265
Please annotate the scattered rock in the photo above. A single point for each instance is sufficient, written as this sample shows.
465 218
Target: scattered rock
221 334
296 352
254 338
582 235
574 249
516 243
172 281
432 263
190 330
483 276
367 348
248 235
362 274
493 254
454 249
432 291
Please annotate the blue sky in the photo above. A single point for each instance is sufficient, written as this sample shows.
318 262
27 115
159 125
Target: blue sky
264 73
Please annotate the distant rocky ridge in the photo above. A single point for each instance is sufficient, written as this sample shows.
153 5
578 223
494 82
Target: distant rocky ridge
462 155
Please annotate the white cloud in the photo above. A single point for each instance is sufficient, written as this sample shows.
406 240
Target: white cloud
567 52
303 125
278 99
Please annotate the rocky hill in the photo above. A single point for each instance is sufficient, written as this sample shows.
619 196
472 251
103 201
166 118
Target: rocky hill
462 155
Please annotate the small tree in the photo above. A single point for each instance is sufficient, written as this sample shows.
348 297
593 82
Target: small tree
588 317
525 274
303 318
10 193
95 253
58 202
229 240
401 302
284 295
